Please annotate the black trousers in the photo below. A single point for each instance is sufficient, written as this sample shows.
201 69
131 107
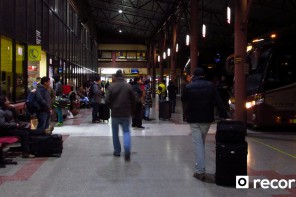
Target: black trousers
137 118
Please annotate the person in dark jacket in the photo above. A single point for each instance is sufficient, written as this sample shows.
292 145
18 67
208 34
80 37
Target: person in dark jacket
172 89
121 100
96 99
45 101
137 118
201 96
9 126
147 99
58 89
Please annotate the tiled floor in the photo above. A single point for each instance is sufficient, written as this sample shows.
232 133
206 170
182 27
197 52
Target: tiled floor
162 163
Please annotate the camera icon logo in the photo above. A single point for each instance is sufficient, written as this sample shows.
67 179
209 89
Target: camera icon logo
242 182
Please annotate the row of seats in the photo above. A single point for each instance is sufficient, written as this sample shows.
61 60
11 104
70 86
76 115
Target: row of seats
4 142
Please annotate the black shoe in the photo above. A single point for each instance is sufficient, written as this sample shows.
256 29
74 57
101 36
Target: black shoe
133 125
116 154
141 127
147 119
201 176
127 157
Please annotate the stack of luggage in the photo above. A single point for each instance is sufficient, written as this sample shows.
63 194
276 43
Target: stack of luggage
231 152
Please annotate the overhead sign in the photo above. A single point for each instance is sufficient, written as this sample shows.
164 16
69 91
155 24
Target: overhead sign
34 53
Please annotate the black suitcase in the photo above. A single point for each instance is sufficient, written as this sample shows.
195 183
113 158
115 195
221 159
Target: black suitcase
230 131
231 161
104 112
46 145
164 110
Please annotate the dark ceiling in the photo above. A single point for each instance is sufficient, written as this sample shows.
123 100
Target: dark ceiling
144 19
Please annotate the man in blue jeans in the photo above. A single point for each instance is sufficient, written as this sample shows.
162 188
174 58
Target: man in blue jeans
121 100
201 97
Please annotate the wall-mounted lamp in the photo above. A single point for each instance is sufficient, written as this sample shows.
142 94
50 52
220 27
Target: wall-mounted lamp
204 30
169 52
177 47
158 58
187 39
164 55
228 15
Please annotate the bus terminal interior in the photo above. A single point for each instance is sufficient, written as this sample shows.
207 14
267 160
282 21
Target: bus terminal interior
245 45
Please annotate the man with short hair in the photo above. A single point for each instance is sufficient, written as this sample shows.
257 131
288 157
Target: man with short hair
201 97
44 99
96 99
121 100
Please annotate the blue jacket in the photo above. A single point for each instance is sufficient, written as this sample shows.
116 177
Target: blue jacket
201 97
43 98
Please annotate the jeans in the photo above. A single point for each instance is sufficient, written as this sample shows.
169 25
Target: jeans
59 114
43 120
125 123
147 111
199 133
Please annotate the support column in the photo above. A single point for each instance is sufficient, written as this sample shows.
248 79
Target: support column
194 32
173 75
153 84
162 49
240 44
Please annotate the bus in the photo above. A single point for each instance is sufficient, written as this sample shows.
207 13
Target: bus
271 81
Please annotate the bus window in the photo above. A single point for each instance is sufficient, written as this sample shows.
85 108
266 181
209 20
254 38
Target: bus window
282 70
257 60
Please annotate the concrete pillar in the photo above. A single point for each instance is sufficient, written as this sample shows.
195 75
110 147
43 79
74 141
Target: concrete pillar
153 83
173 74
194 32
240 44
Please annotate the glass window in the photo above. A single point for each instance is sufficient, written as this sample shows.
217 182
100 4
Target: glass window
20 74
141 55
131 55
6 67
120 54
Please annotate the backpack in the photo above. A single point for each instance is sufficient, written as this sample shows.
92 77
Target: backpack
32 103
91 91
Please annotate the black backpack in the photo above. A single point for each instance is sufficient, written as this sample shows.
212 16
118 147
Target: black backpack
32 103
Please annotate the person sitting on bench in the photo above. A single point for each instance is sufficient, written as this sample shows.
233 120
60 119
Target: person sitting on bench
8 127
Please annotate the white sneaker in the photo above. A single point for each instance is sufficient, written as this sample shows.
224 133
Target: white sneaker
70 116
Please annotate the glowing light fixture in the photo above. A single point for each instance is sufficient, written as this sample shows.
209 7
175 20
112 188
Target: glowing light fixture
273 36
120 31
204 30
120 11
164 55
169 52
228 15
187 39
158 58
177 47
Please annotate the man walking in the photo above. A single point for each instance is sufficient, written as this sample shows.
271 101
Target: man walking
121 100
201 96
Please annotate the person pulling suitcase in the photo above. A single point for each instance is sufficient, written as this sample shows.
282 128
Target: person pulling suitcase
201 97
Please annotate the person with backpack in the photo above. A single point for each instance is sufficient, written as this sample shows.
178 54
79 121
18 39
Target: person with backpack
44 101
95 96
58 89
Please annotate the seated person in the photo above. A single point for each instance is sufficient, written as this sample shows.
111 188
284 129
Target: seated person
83 98
8 127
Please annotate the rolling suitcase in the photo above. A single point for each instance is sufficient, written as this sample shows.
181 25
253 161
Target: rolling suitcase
46 145
230 131
104 112
164 110
231 161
